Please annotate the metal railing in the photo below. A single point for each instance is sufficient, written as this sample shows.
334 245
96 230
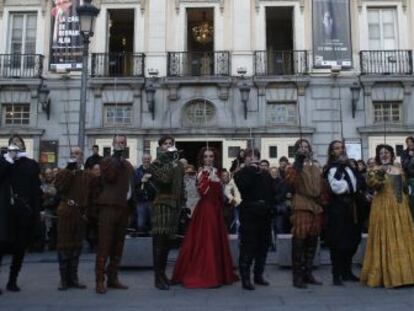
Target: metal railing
386 62
117 65
199 63
280 63
21 65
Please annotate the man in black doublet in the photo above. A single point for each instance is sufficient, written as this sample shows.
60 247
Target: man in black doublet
256 189
20 200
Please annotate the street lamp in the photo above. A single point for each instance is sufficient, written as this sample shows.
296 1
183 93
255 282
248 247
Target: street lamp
150 90
87 14
244 89
355 90
44 99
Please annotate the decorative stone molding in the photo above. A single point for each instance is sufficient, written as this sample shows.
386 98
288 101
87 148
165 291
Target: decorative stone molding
223 90
141 3
302 85
178 3
173 91
403 2
301 3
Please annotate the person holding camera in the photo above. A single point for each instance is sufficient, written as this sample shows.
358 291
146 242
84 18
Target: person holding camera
167 173
20 203
73 186
389 254
305 177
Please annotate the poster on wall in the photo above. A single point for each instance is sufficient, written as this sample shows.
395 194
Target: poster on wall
65 42
48 153
331 34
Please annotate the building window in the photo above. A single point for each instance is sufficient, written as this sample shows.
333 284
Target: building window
199 113
272 152
281 113
23 33
387 112
233 152
16 114
291 151
117 115
382 28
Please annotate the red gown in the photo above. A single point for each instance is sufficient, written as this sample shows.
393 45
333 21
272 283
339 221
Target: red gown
205 260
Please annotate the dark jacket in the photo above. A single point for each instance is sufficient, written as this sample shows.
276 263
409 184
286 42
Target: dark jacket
407 164
92 160
21 179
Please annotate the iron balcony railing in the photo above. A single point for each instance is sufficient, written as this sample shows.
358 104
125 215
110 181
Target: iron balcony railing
386 62
280 63
117 65
183 64
21 65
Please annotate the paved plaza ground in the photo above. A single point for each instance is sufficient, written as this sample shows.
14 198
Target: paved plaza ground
39 280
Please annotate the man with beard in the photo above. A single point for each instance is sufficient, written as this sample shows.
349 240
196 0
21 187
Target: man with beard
343 228
115 201
168 177
20 200
73 185
257 193
407 160
306 180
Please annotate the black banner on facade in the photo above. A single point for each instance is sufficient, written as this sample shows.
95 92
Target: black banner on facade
331 34
66 43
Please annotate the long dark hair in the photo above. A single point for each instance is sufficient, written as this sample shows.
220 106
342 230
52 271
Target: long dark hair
299 142
216 162
378 150
331 155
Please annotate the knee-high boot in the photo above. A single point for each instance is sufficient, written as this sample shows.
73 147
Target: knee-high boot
63 258
347 274
259 266
112 273
245 263
298 262
14 270
100 274
158 254
73 270
164 258
311 246
337 267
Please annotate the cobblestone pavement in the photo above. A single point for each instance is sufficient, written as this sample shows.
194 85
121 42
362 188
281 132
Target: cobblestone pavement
39 280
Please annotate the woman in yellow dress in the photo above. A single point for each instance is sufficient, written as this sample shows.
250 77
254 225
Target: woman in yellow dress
389 255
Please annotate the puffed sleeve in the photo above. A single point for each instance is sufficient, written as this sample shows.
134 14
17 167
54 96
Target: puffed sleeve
338 186
203 184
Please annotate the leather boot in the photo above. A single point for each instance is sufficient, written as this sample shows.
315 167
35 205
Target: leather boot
259 266
113 281
347 274
14 271
298 262
73 281
63 270
100 275
311 246
337 268
159 266
245 262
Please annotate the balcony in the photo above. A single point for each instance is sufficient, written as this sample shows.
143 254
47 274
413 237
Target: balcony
386 62
184 64
280 63
21 65
117 65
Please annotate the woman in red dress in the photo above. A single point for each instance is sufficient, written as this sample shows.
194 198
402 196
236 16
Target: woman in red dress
205 260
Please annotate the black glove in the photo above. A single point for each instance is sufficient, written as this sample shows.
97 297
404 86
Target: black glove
339 172
71 166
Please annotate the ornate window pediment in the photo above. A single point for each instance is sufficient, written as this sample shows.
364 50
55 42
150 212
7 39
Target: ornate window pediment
257 3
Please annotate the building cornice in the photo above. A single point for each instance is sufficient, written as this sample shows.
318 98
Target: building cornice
178 3
360 3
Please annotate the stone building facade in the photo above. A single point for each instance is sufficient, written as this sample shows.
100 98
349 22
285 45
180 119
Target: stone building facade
265 46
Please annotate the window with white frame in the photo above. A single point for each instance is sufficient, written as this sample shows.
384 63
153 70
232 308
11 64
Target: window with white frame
281 113
382 28
387 112
23 33
117 114
16 114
